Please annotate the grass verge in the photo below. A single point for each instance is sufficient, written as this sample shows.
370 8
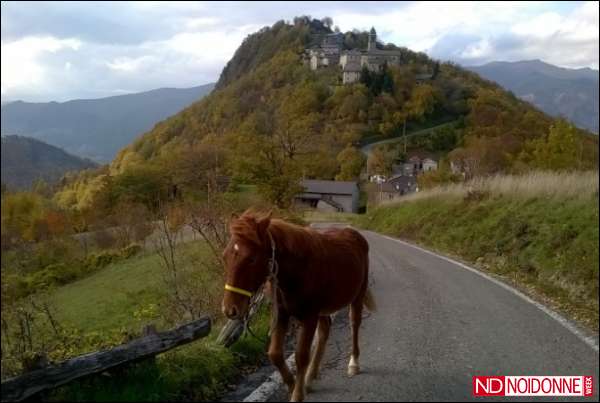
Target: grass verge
538 231
101 310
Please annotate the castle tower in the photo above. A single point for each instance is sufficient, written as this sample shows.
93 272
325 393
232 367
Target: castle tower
372 40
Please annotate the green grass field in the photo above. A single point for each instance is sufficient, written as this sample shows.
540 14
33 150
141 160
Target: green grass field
108 299
538 231
109 302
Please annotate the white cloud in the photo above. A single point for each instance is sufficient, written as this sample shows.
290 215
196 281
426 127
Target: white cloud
103 49
128 64
478 50
20 62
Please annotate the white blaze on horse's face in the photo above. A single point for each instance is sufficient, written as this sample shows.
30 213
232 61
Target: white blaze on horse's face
236 247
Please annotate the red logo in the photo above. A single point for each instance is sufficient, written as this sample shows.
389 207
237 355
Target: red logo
533 386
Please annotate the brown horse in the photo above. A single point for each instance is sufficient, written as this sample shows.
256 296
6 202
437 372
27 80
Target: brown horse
311 275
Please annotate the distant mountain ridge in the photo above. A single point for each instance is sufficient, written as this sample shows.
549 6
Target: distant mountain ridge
558 91
25 160
97 128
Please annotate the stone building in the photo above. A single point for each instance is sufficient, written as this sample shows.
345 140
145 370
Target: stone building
327 54
417 165
330 53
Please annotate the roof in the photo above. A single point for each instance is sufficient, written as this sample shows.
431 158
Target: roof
352 66
402 181
402 178
383 52
423 76
329 187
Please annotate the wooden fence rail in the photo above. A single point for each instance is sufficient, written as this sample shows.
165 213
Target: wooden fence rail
26 385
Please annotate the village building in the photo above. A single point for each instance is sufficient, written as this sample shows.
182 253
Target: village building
403 184
327 54
395 187
417 165
330 53
353 61
338 196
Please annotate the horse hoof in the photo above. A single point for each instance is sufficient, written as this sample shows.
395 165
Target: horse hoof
353 370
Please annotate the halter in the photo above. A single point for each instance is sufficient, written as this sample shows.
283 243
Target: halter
257 298
273 269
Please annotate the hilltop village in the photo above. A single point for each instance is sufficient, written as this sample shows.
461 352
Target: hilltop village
352 61
343 196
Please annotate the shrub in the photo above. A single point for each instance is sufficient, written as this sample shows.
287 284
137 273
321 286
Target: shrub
131 250
102 259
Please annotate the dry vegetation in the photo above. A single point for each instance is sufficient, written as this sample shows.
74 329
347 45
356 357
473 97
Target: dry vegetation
556 185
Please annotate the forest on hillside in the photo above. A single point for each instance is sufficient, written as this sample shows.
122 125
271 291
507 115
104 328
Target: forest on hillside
272 121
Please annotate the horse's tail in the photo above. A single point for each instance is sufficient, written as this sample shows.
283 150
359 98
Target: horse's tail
369 301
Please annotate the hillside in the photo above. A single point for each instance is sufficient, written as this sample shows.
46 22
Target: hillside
97 128
571 93
273 120
538 231
24 160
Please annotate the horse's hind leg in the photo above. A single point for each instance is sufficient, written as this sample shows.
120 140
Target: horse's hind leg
355 321
315 362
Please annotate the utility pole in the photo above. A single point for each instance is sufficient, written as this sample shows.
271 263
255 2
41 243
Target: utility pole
404 134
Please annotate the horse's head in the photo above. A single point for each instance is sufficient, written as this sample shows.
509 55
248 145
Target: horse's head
246 259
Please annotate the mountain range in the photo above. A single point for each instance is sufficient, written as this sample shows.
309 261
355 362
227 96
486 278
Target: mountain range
97 128
25 160
569 93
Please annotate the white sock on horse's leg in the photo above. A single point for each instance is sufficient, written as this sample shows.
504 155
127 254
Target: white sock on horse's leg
353 366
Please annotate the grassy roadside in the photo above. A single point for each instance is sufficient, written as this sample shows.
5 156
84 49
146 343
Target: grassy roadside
539 232
109 306
200 371
316 216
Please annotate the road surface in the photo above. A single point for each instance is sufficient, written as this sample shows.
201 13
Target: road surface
436 326
367 148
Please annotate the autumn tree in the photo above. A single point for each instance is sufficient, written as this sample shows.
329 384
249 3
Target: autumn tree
351 163
560 150
380 162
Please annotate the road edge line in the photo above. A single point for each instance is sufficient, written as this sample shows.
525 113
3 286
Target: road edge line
590 341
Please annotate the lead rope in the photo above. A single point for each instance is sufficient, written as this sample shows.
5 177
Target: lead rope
273 278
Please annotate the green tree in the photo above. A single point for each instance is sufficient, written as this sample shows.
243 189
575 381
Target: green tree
351 163
560 150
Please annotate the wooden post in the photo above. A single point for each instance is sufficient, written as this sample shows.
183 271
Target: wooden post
26 385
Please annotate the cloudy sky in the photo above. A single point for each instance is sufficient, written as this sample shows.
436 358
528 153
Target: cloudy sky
61 51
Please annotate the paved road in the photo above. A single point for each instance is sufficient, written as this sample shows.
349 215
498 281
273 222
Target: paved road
367 148
436 326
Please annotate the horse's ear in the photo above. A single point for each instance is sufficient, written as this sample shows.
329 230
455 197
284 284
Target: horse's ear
232 218
264 222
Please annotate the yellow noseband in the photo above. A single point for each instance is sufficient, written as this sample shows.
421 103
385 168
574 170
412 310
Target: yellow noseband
238 290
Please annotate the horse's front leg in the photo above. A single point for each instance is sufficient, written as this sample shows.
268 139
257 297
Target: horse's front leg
276 350
307 333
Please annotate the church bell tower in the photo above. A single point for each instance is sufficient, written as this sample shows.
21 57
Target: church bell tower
372 39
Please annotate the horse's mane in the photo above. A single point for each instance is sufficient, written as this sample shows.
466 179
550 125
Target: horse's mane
289 237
